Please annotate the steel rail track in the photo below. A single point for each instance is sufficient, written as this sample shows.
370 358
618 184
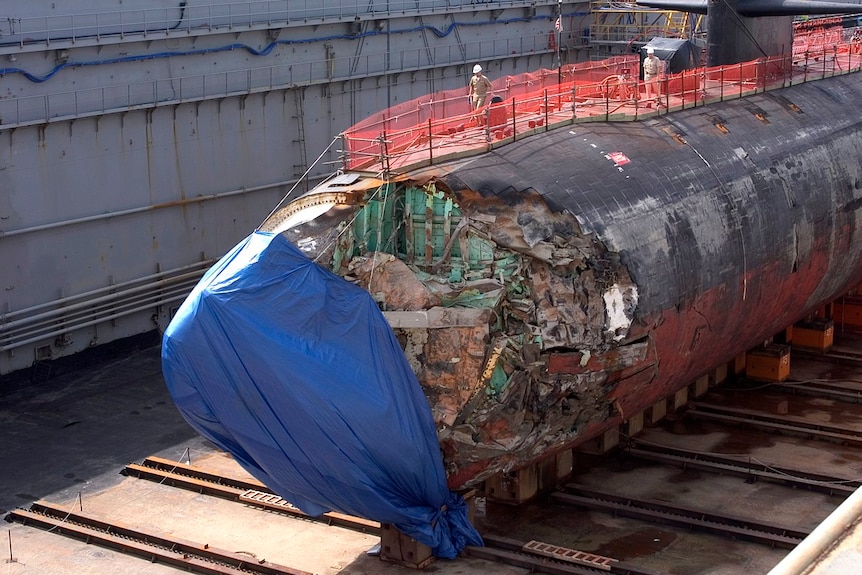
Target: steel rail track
726 465
835 355
156 548
787 423
835 392
544 558
251 492
558 561
726 525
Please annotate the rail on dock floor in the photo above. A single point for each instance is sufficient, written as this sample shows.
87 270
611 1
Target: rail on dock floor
441 126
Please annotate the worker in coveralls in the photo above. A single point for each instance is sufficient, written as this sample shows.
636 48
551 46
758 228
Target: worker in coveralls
652 67
479 88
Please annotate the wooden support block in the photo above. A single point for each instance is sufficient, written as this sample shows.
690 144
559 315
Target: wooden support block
815 335
778 406
514 488
657 412
769 363
739 364
603 443
700 386
679 399
469 496
547 469
565 464
554 469
719 376
635 424
396 547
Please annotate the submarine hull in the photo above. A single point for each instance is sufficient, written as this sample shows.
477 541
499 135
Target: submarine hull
730 233
615 262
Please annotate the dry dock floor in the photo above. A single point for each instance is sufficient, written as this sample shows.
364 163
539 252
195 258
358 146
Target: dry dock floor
66 440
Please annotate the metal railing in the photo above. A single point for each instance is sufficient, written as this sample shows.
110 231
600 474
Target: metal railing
440 127
187 18
57 318
37 109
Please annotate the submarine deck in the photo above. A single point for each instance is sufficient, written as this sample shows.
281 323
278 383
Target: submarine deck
424 132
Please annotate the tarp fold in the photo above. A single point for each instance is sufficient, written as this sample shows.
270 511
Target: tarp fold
296 373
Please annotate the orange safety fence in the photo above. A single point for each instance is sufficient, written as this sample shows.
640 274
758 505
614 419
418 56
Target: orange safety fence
802 26
406 124
855 45
824 35
440 125
816 40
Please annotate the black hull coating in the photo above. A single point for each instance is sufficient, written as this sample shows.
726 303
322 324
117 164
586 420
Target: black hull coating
695 213
734 220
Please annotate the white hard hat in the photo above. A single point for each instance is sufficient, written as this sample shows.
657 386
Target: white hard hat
650 50
477 68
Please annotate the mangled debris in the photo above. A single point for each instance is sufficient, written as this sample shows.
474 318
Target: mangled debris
516 324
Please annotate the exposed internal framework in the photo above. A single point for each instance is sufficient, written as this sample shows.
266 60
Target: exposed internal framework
515 322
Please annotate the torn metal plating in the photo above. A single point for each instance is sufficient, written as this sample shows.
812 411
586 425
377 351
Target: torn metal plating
516 324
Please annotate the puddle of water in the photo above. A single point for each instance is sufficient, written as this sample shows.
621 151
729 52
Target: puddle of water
640 543
686 426
685 476
848 457
744 441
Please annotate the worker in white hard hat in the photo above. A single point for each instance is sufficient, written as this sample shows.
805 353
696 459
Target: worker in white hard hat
652 68
479 88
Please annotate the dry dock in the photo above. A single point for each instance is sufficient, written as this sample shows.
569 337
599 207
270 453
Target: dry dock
67 440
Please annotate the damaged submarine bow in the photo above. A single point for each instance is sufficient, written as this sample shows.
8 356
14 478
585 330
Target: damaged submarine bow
548 289
578 276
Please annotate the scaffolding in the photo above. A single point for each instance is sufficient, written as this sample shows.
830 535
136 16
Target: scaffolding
621 27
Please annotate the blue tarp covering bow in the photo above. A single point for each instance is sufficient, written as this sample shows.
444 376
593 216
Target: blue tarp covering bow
296 373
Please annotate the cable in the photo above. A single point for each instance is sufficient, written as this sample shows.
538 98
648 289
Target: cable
266 50
182 6
742 458
302 177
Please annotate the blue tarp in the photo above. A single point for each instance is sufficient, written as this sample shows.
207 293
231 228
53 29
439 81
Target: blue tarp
297 374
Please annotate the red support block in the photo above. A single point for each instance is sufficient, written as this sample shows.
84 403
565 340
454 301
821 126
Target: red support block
815 334
848 313
769 363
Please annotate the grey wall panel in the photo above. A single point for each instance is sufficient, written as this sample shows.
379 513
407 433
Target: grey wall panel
62 81
107 170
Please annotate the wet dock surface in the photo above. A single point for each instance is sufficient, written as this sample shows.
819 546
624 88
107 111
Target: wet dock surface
67 435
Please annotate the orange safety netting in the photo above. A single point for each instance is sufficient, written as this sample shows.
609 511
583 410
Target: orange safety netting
406 125
438 125
816 35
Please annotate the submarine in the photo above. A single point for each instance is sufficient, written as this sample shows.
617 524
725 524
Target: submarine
541 290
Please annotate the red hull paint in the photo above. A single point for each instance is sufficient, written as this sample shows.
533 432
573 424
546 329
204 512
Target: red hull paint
715 328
